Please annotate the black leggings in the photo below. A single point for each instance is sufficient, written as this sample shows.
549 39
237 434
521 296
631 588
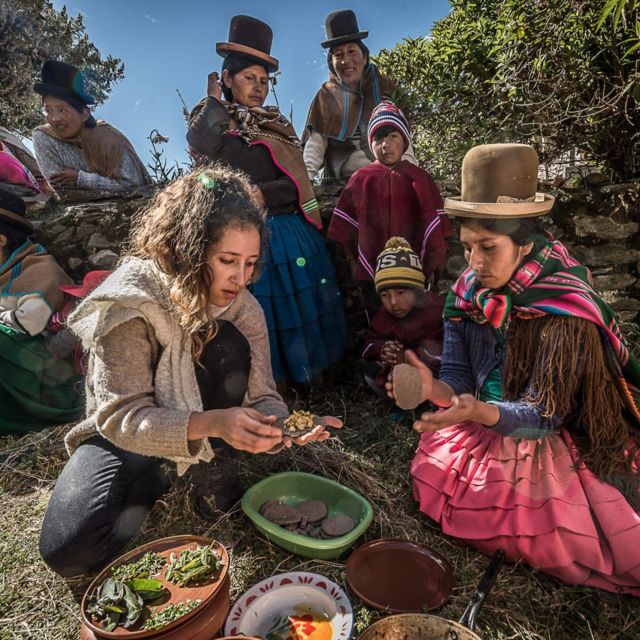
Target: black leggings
104 493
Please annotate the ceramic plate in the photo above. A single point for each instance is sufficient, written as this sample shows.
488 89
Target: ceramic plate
399 576
292 606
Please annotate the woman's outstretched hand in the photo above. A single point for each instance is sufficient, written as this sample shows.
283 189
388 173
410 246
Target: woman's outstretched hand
319 433
463 407
241 427
214 90
426 377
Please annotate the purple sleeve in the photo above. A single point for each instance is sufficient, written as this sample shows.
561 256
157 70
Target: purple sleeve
521 419
456 369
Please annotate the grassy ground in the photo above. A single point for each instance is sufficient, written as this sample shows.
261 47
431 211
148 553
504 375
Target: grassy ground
371 455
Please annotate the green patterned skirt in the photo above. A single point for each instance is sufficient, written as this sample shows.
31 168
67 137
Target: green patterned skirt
37 389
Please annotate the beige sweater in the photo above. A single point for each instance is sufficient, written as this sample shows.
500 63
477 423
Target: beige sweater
141 385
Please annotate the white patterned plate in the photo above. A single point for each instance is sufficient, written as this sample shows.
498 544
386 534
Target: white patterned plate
292 606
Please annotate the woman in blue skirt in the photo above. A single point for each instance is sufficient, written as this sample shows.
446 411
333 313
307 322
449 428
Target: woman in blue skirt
297 286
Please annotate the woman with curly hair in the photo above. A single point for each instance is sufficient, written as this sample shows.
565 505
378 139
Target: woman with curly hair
535 447
178 370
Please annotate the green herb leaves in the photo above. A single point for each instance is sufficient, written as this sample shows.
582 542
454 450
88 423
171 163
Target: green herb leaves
192 565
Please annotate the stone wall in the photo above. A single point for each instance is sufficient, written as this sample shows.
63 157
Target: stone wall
598 221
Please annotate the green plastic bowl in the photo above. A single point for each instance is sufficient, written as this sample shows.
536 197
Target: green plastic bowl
294 487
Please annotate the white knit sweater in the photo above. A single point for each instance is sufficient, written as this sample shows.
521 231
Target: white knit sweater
141 385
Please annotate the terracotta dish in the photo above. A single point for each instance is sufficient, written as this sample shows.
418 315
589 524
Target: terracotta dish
399 576
199 623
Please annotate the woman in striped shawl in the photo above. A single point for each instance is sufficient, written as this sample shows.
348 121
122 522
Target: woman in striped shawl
534 449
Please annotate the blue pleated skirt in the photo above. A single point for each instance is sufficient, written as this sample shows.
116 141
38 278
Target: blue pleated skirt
298 291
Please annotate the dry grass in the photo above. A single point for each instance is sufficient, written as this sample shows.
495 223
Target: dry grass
371 455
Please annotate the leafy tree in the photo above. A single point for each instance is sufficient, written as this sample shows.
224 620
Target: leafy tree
32 31
561 76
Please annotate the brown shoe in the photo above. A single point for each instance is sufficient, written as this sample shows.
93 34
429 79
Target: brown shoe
216 483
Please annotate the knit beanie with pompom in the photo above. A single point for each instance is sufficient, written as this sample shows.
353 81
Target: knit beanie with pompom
398 267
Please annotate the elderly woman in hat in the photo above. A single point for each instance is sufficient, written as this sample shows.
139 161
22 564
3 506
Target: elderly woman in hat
335 134
74 150
534 449
297 286
37 389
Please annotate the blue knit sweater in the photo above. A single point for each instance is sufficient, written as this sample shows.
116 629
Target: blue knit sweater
471 352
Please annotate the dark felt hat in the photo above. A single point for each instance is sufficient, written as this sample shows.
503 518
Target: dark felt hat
64 81
342 26
250 38
500 181
12 211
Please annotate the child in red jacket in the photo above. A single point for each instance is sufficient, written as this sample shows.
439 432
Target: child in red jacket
390 197
410 317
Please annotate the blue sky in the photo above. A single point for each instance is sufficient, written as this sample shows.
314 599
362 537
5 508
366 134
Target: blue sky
169 45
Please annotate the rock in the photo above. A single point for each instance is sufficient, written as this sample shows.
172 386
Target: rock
604 228
613 281
621 187
407 386
280 513
100 241
606 254
625 304
337 526
596 179
627 316
313 510
104 259
74 263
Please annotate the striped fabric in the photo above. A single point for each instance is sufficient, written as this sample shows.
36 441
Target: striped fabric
551 282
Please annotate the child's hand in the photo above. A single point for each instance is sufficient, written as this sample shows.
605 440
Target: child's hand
389 352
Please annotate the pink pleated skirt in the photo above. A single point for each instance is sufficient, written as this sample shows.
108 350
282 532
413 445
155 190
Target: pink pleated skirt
530 498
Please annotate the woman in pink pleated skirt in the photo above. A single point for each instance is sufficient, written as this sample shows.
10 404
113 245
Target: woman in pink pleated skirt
535 447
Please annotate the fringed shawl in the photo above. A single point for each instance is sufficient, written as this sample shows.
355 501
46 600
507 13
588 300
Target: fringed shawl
336 110
551 282
268 127
103 148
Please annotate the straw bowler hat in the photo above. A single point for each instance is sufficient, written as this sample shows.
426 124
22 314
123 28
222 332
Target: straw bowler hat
500 181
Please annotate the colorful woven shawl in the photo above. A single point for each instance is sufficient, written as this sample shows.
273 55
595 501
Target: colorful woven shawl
550 282
268 127
336 110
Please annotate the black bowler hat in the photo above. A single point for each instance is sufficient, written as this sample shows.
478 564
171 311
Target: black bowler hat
12 211
250 38
342 26
64 81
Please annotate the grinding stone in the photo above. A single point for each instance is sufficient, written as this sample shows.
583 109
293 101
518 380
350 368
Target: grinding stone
337 525
407 386
314 510
281 514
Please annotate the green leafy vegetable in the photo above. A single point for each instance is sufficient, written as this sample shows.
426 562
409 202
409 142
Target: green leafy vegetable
164 616
192 565
148 565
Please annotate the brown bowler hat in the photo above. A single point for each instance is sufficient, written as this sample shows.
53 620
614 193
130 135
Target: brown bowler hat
500 181
251 38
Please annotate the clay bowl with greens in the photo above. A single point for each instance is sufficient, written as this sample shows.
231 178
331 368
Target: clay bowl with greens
176 588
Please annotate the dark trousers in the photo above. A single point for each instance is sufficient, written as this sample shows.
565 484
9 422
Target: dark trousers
98 504
104 493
